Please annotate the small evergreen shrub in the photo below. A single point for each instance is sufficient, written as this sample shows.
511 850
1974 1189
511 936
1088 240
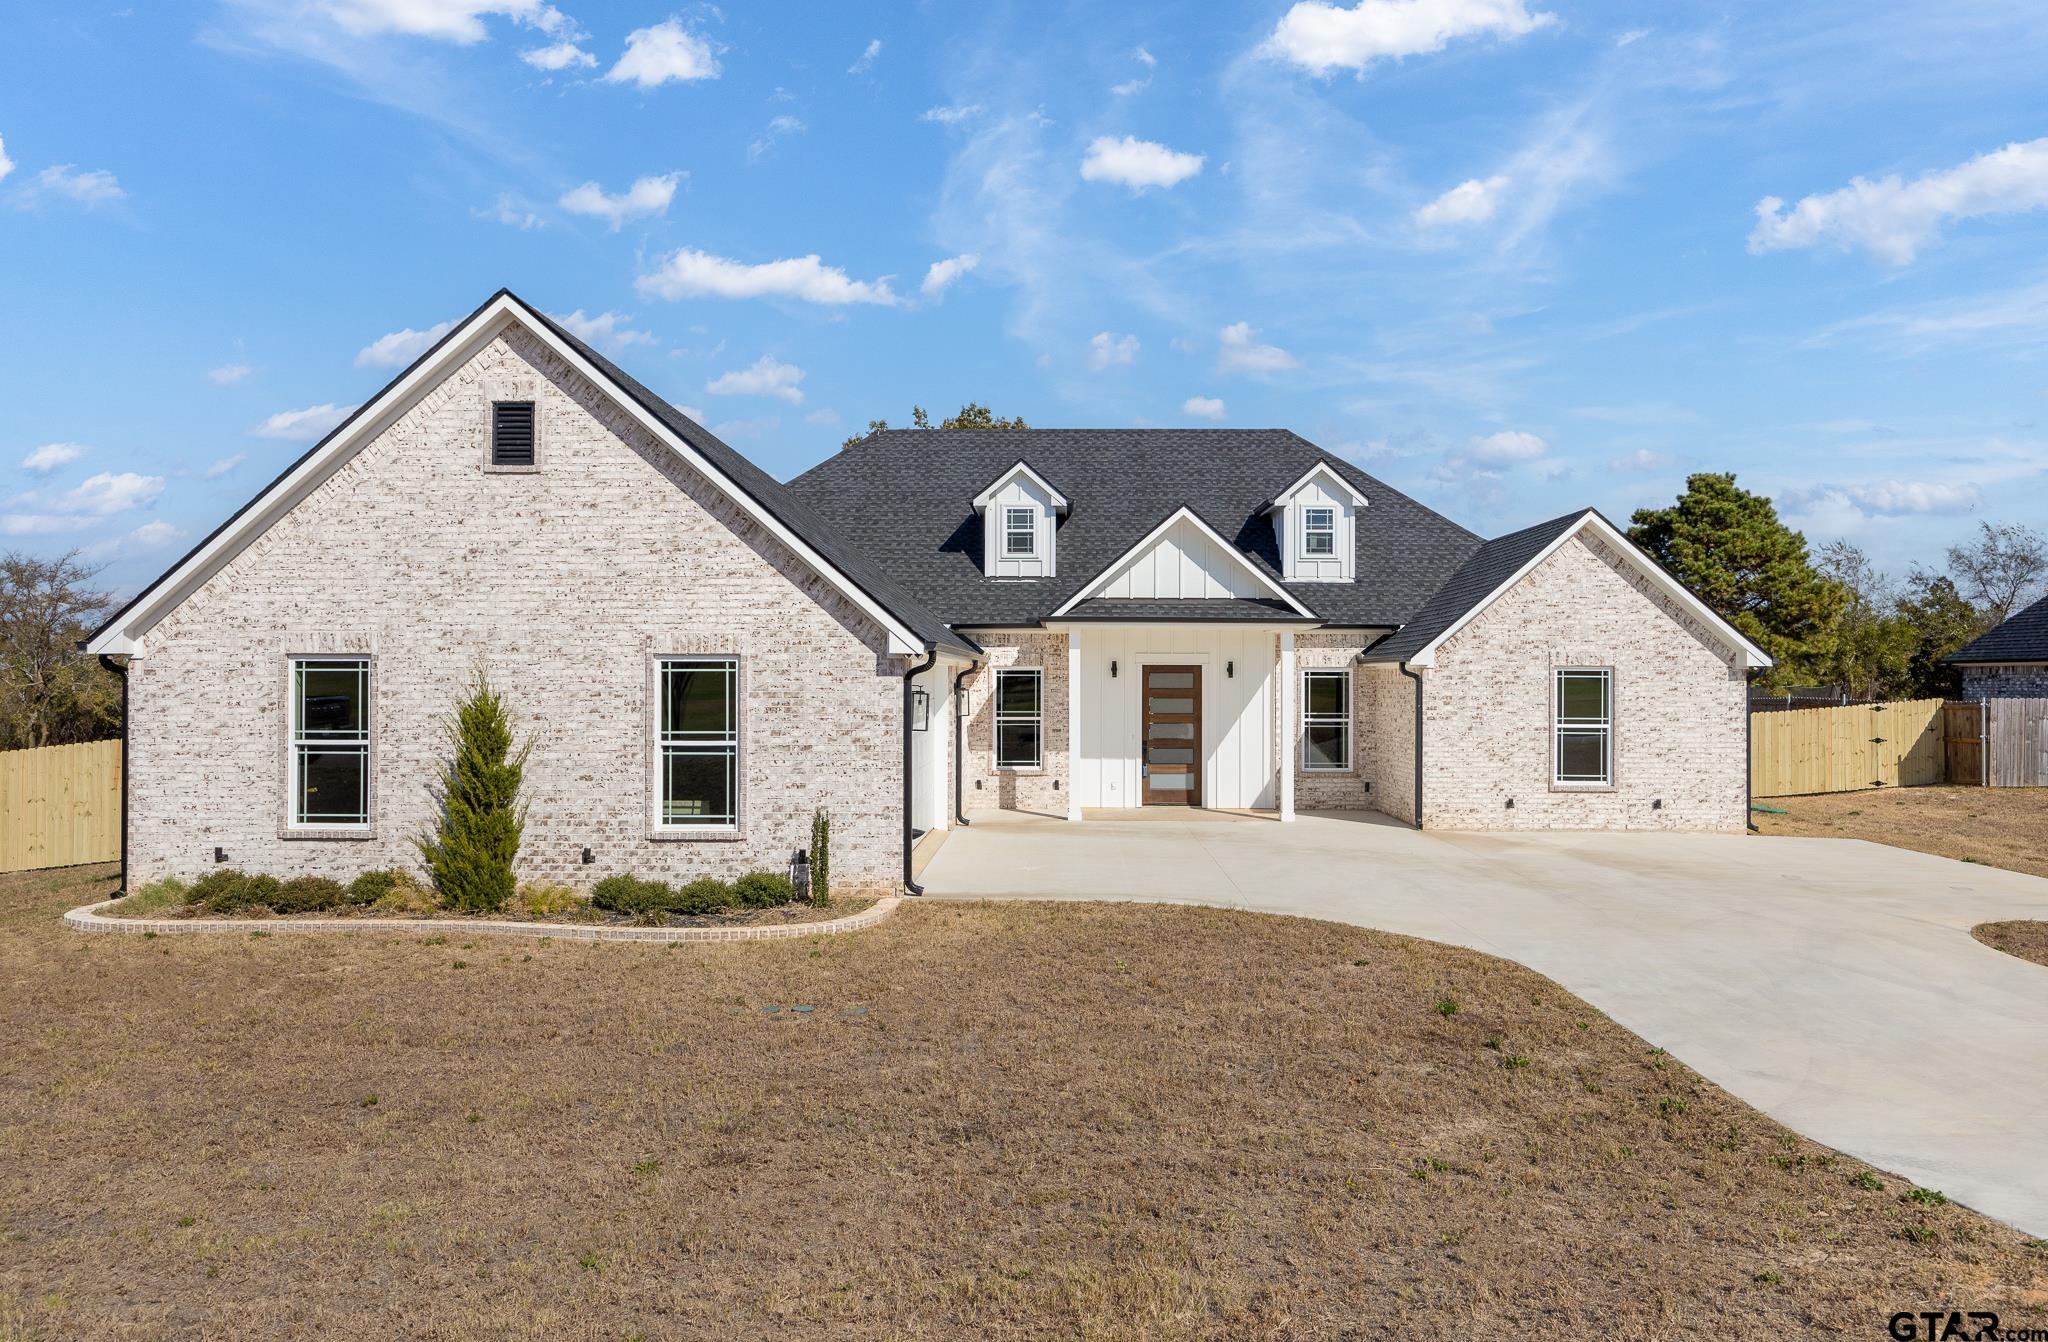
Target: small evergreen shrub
470 854
631 896
706 894
371 887
763 890
308 894
821 858
227 891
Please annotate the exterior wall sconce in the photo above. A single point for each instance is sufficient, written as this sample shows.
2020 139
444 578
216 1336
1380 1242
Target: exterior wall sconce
1112 668
920 710
588 857
220 854
1230 670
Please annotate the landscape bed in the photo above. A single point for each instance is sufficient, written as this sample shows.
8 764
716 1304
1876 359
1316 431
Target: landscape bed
999 1120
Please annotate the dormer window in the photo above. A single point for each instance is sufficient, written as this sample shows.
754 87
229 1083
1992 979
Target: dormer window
1020 514
1315 526
1020 533
1318 532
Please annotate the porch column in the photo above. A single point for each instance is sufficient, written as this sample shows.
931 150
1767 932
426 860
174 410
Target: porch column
1073 724
1285 744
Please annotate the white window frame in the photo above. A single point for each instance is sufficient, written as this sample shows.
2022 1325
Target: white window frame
1326 719
1561 727
1309 530
300 743
999 718
1011 531
724 743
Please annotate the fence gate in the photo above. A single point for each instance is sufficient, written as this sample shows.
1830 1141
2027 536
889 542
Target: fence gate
1963 742
1847 748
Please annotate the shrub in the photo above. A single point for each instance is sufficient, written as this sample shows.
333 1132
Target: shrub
763 890
371 887
308 894
821 858
470 854
225 890
706 894
632 896
543 899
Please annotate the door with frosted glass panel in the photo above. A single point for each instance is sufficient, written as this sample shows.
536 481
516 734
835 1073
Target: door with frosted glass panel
1172 760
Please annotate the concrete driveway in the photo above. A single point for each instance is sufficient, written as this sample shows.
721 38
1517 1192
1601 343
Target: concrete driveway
1831 983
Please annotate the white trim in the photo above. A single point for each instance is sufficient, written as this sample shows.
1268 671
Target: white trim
1323 468
1350 764
1011 512
1109 570
997 718
1751 654
1073 725
1283 757
987 496
1307 530
168 592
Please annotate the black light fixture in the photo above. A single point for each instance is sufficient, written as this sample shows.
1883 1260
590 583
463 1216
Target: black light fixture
588 857
220 854
1230 670
1112 668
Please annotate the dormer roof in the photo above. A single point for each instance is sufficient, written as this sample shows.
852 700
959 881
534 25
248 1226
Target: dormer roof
987 496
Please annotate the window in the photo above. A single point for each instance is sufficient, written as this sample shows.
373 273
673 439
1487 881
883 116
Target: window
1318 531
330 765
1020 532
700 742
1584 728
1325 720
512 434
1020 718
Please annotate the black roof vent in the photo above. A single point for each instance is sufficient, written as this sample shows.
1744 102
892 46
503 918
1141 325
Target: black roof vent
512 433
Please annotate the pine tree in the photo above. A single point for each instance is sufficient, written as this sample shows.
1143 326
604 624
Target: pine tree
470 856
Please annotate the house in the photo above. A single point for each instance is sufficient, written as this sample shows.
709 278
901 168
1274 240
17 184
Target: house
927 623
2009 660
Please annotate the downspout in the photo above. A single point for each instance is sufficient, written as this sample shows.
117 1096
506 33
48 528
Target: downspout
960 745
1749 753
1416 676
931 658
120 669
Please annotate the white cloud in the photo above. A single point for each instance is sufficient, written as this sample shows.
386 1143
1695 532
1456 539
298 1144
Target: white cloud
400 348
89 189
1888 498
1239 353
1507 448
224 465
6 163
1631 37
647 196
609 331
1321 37
865 61
823 416
942 273
228 374
693 274
559 56
300 425
511 212
777 129
1139 85
1642 460
1105 350
1470 202
446 20
768 376
950 116
50 456
661 53
1203 407
107 493
150 535
1136 163
1893 219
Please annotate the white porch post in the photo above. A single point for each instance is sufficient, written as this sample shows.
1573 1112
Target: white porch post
1285 741
1073 724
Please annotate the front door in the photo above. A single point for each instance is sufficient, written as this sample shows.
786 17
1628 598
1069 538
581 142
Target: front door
1172 762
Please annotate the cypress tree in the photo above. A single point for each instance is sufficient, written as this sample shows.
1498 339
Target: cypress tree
470 855
821 858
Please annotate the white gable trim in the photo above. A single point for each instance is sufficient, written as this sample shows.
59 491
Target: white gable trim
1101 579
1751 655
1324 469
987 496
125 633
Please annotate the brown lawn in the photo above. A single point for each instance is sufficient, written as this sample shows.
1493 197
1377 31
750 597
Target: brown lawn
2026 938
2000 827
1005 1121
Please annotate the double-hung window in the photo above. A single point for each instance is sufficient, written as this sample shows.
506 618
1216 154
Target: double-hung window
330 742
1020 532
1318 532
1326 721
1020 718
1583 725
700 743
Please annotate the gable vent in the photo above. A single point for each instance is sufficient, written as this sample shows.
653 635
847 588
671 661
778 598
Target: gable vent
512 433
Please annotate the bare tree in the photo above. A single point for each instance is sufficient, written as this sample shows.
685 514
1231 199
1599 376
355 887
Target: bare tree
50 694
2004 569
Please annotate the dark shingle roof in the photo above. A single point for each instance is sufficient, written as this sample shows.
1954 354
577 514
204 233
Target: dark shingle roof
2023 638
1225 609
1494 563
905 499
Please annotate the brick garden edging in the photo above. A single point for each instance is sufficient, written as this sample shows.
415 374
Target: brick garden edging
90 919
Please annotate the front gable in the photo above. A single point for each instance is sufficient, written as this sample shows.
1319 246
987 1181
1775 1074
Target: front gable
1182 559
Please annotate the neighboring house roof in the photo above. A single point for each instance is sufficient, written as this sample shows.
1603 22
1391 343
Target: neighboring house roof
1500 563
905 498
757 493
2021 638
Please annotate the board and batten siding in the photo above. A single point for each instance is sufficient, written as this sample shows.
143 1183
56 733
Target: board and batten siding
1020 492
1183 564
1298 567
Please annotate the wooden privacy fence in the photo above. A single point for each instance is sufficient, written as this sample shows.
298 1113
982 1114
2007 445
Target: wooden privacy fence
1848 748
60 805
2016 730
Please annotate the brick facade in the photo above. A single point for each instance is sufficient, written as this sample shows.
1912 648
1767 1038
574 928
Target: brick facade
2027 680
1044 789
1320 790
565 582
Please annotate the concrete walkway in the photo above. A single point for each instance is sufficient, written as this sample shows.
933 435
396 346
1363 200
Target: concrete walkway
1831 983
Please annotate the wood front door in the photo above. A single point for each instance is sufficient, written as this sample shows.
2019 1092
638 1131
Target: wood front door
1172 760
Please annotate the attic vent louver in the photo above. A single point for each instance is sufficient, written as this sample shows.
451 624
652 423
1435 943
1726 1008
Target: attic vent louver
512 433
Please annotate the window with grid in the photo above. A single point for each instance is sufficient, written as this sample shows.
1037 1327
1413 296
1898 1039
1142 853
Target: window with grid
1325 720
1318 531
700 742
1583 753
330 742
1020 532
1020 719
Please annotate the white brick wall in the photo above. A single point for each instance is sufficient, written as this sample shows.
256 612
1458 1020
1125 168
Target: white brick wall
986 787
1321 790
1679 706
564 583
1387 710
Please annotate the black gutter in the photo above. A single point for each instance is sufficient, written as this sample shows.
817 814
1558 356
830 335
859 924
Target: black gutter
122 671
931 658
960 746
1416 676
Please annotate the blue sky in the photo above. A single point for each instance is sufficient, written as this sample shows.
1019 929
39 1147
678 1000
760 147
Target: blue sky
1512 256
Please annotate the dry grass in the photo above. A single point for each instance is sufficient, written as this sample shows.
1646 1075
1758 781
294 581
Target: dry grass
1006 1121
2025 937
2000 827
